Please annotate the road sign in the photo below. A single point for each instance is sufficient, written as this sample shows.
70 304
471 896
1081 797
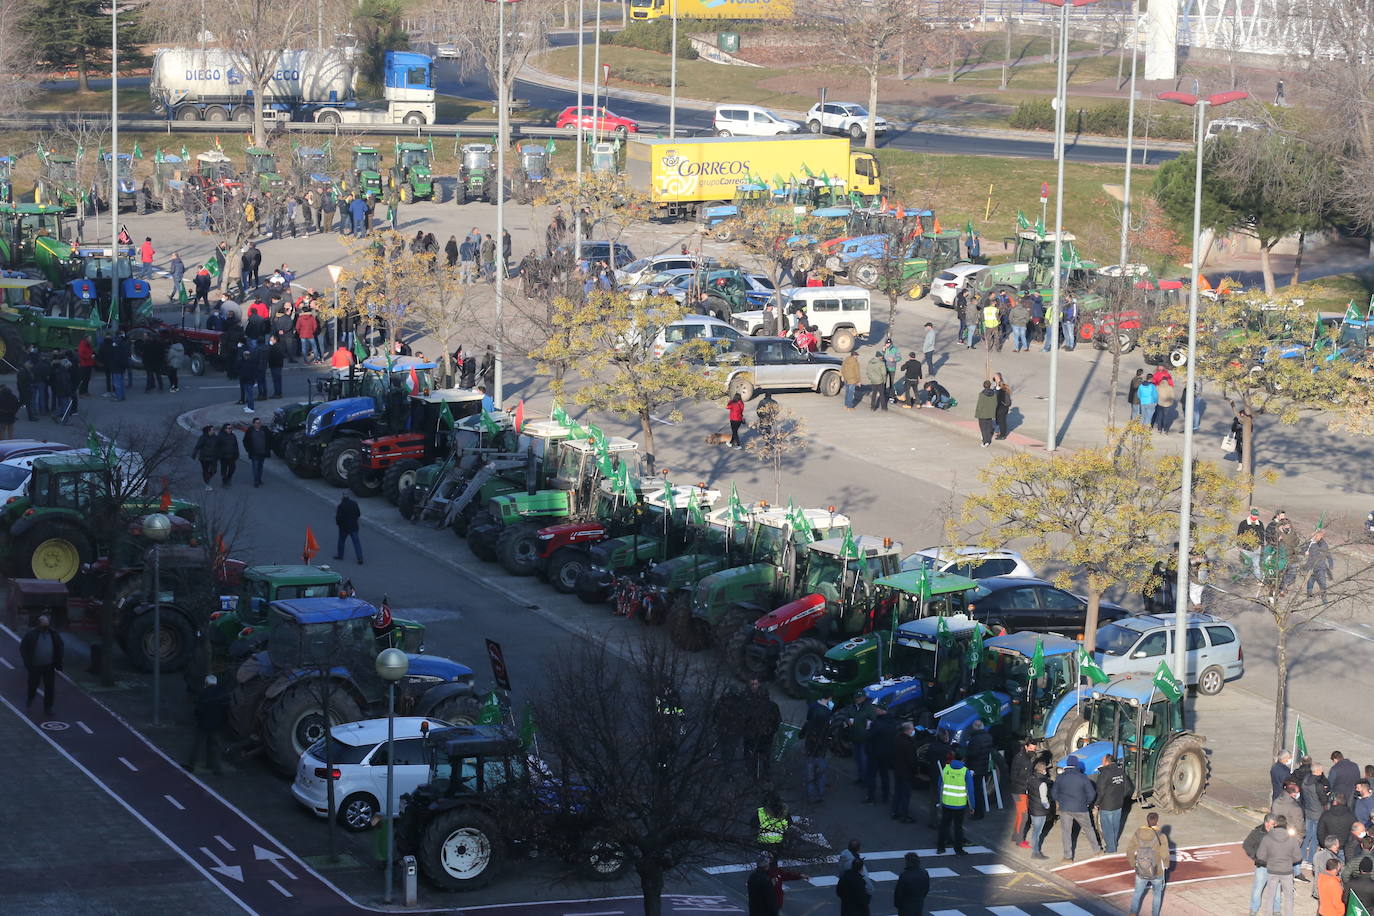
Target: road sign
1044 191
605 73
498 665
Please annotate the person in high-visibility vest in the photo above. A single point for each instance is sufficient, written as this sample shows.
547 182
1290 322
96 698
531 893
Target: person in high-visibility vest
992 325
956 788
773 821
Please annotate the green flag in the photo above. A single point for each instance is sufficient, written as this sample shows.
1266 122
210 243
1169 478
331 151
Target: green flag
1299 741
93 443
211 266
138 150
1040 227
575 430
694 514
558 415
988 707
597 436
1037 662
628 485
1021 221
489 424
390 364
737 513
1086 665
669 494
1166 683
968 228
527 726
923 584
490 714
445 416
975 648
551 146
943 637
604 465
185 156
1352 312
359 350
801 526
1354 907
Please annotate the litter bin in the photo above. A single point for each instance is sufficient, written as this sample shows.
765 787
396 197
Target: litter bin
728 42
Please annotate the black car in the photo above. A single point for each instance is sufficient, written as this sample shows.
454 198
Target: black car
1034 604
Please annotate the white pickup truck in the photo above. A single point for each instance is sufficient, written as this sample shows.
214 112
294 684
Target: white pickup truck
841 315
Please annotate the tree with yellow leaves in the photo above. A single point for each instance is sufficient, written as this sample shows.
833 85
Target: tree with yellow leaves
610 340
1108 514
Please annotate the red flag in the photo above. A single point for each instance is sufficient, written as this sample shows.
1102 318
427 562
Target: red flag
166 502
520 415
124 237
414 381
312 546
382 619
919 228
1202 283
937 225
884 203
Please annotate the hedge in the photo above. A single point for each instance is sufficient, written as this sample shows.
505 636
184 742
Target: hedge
1107 120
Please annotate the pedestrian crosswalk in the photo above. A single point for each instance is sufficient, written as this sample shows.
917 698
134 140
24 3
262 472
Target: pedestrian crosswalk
871 857
1057 908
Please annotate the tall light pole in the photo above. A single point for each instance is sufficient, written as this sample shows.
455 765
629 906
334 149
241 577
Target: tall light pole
392 665
596 77
502 126
1185 510
672 79
1130 137
113 202
157 527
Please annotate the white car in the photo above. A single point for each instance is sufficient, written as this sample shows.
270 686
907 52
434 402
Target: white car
642 270
842 117
358 755
951 280
692 327
750 121
16 472
972 562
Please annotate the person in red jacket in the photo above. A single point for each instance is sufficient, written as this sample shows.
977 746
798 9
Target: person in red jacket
145 255
85 358
342 358
307 327
736 411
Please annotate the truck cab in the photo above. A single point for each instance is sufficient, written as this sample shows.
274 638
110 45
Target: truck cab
409 88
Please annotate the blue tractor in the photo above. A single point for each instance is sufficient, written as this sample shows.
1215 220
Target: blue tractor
319 670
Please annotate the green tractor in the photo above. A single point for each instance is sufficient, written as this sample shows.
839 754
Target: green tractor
1032 267
714 608
127 193
365 176
58 183
412 175
476 174
32 315
509 530
531 172
289 419
21 228
167 183
1131 719
260 172
930 253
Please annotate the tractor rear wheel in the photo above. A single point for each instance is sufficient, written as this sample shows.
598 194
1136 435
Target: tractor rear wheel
338 459
299 456
482 540
518 549
364 481
172 641
245 704
296 719
407 502
398 477
737 653
51 549
798 664
1064 741
460 710
565 568
686 631
462 850
866 272
1182 775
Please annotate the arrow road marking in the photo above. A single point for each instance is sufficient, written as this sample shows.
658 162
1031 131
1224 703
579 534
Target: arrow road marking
229 871
175 804
223 842
284 891
275 858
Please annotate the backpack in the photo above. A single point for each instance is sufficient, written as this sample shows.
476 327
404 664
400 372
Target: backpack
1146 865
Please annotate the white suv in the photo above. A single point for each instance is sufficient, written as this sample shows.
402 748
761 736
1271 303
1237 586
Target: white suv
750 121
842 117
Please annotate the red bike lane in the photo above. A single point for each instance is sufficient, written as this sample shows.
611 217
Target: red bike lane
1109 876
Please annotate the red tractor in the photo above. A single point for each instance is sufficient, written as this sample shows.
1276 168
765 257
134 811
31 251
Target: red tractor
387 464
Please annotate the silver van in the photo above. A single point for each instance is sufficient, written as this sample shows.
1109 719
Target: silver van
1136 645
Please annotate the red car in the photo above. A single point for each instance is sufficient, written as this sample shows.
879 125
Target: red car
607 121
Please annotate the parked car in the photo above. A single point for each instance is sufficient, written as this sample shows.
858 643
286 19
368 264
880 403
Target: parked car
758 289
358 755
1034 604
607 121
692 327
841 315
1136 645
951 280
750 121
598 251
644 269
842 117
20 448
750 364
970 562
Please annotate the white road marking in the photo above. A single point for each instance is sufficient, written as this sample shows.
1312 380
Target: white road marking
84 727
824 880
284 891
1007 911
229 871
942 872
947 913
223 842
7 663
1065 908
175 804
274 857
125 761
996 868
883 875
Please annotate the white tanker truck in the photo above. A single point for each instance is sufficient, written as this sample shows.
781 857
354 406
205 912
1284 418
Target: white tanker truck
211 84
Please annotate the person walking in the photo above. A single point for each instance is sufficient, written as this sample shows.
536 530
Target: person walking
1131 397
875 376
206 451
853 890
145 257
41 650
955 788
257 446
1320 565
1039 805
910 382
992 325
451 251
1113 786
1250 847
1148 397
1281 853
308 330
1250 545
201 285
985 411
912 888
1003 404
1018 784
1165 412
246 366
903 771
1074 794
346 518
211 713
1019 317
227 450
928 348
880 741
487 255
1148 853
734 409
275 358
815 735
176 270
761 718
851 375
251 262
9 411
971 316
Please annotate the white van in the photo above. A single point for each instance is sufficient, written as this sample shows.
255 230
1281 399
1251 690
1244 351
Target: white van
750 121
842 315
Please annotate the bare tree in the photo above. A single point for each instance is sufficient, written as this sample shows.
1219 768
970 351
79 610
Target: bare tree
527 26
776 439
17 82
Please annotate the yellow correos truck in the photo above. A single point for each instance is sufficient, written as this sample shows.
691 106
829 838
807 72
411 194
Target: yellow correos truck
680 175
712 9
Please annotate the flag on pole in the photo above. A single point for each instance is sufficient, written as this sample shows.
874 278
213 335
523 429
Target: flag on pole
520 416
1203 284
596 435
669 494
1166 683
165 502
987 705
628 485
1086 665
801 526
920 229
1352 312
559 415
936 225
694 514
943 637
414 381
968 228
975 648
490 713
1299 740
736 513
1037 662
575 430
359 350
489 424
445 416
1354 907
312 546
1040 227
1021 222
551 146
138 150
527 728
390 364
184 154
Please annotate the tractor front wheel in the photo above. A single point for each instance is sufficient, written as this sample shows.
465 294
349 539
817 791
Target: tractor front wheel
737 652
171 641
1064 741
245 706
518 549
407 503
338 460
398 477
1182 775
11 347
867 272
300 456
566 568
798 665
462 850
296 719
364 481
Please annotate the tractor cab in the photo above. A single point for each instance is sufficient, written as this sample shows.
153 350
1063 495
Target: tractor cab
61 169
1142 727
214 170
311 166
412 174
534 161
262 169
94 288
367 159
413 158
576 460
604 158
22 225
940 248
834 571
921 668
477 157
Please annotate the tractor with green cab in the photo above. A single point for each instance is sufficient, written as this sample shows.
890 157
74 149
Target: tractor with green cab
365 172
35 315
167 183
23 227
413 175
769 566
59 183
261 171
1142 727
476 174
1032 268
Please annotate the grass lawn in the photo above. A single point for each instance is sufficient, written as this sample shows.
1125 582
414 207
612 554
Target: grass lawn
696 79
1038 76
131 101
1333 293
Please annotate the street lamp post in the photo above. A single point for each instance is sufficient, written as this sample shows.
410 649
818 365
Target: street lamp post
1185 511
157 527
1056 295
1130 137
672 79
113 202
502 128
392 665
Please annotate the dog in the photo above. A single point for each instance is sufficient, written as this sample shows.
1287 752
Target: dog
717 438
